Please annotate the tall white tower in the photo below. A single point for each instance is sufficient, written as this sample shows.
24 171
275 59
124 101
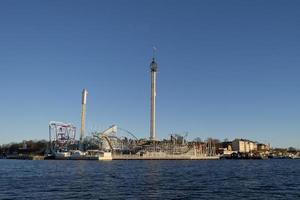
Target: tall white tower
83 110
153 68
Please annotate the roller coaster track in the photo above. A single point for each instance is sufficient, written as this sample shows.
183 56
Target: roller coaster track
122 129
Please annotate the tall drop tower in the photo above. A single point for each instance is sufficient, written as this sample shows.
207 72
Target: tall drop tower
153 68
83 110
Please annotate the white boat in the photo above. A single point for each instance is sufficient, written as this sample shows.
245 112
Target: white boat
63 154
77 154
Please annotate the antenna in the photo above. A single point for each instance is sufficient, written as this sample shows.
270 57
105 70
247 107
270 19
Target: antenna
154 52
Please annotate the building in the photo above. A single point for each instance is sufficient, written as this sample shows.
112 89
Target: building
263 147
244 146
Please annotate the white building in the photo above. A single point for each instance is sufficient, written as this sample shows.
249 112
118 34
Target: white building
244 146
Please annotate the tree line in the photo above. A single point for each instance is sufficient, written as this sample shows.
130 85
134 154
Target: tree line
34 147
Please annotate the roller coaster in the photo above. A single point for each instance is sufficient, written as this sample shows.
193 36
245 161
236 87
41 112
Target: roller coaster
124 141
111 140
61 136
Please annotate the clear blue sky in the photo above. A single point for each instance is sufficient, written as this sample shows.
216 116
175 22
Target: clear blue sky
226 69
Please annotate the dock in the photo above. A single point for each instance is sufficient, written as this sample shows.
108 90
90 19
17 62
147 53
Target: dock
169 157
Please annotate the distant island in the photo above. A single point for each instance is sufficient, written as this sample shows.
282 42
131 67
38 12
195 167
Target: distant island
235 149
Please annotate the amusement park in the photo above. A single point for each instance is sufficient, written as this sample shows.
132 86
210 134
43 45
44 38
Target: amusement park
116 143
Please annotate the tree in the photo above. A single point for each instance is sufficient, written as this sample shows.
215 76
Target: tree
292 150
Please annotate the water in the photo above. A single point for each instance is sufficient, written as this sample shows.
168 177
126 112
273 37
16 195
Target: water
220 179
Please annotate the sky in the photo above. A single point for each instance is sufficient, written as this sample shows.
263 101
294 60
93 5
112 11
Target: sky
226 69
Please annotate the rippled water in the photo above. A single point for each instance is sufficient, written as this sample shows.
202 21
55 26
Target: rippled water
222 179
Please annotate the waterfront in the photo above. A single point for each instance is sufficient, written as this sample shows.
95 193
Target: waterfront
218 179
